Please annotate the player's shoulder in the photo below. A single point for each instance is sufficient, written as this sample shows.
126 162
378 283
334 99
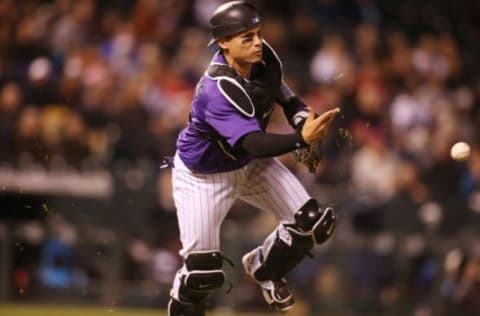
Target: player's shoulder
226 88
210 87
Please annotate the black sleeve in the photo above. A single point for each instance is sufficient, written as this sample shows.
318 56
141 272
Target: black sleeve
258 144
293 107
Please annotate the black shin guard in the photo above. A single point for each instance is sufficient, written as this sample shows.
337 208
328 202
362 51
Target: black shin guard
290 243
280 253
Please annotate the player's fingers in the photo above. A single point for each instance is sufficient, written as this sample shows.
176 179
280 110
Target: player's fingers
321 129
330 114
329 121
326 117
314 128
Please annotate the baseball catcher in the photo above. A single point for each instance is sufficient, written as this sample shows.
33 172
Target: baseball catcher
225 154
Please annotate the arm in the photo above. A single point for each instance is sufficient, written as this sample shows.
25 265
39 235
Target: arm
258 144
293 107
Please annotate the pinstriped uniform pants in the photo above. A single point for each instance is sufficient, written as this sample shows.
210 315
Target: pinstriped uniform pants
203 200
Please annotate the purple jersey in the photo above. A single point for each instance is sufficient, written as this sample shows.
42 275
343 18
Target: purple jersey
218 119
206 144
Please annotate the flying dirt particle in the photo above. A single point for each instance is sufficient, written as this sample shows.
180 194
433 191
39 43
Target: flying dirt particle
45 208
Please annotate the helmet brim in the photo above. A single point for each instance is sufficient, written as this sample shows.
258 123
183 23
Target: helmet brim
213 40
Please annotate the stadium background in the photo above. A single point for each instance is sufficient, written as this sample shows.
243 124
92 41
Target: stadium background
93 94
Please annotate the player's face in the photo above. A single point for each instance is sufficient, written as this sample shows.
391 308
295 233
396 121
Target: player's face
245 47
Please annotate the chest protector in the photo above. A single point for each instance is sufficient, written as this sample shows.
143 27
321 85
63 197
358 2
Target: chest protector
256 97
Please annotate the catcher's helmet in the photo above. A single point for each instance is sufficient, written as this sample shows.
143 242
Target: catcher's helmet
232 18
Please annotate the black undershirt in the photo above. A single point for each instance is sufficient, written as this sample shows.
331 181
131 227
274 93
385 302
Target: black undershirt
258 144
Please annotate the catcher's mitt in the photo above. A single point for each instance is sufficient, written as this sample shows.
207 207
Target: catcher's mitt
310 156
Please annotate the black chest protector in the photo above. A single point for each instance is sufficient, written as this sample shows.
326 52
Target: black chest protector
256 97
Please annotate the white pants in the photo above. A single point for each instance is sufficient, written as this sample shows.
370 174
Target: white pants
203 200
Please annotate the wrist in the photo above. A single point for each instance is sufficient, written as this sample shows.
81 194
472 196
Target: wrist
300 141
299 119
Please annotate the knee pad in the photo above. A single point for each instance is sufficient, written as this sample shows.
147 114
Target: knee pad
310 220
200 275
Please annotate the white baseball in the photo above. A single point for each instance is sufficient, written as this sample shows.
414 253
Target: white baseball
460 151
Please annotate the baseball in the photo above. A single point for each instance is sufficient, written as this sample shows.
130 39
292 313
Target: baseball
460 151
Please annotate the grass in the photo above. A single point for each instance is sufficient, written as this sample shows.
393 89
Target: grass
51 310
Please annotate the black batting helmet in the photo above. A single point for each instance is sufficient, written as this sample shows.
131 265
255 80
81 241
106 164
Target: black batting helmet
232 18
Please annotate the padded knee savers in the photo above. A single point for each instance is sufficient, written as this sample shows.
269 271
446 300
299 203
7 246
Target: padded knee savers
201 274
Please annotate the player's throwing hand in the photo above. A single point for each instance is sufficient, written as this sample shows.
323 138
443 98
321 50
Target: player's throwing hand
315 129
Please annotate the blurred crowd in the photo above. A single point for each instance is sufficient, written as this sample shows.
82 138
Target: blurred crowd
88 85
